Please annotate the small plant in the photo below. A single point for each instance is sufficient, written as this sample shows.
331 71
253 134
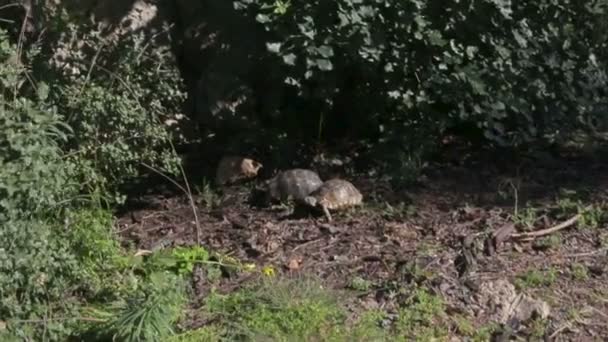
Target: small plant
182 260
591 215
277 309
360 284
535 278
186 258
579 272
548 242
591 218
484 333
149 315
208 197
413 273
526 218
464 325
537 328
399 211
367 328
209 333
421 317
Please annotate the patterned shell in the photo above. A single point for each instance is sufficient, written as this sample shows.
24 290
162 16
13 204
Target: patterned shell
295 184
337 194
232 169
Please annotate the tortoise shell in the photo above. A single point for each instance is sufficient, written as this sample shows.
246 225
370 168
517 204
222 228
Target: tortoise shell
335 194
295 184
232 169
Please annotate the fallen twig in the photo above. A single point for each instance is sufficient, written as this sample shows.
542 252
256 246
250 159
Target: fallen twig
543 232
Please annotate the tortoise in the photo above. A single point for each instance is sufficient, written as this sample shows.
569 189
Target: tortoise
293 184
334 194
232 169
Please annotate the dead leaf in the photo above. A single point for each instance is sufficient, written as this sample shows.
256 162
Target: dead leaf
294 264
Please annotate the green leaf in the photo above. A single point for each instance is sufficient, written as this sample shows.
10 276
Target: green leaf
273 47
289 59
324 64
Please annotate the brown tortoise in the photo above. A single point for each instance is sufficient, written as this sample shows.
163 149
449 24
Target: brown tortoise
334 194
293 184
233 169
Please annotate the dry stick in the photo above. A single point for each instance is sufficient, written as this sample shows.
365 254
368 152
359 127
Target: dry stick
547 231
188 193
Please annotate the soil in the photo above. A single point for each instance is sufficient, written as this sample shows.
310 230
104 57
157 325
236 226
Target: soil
455 223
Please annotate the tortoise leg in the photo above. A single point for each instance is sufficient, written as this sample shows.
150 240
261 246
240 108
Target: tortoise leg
327 214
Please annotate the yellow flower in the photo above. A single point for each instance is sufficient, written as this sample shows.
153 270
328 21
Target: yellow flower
268 271
249 267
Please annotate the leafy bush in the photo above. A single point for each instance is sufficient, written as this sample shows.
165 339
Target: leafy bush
122 97
518 71
37 268
33 177
51 246
147 315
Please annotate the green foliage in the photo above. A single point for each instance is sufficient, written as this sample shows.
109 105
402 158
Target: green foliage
208 197
281 310
122 98
360 284
548 242
182 260
519 71
204 334
38 268
579 272
149 314
56 251
33 177
537 278
105 270
421 316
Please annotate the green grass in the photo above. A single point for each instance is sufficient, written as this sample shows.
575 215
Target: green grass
537 278
579 272
281 309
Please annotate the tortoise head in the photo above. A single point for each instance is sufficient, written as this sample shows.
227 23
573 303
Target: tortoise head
250 167
311 201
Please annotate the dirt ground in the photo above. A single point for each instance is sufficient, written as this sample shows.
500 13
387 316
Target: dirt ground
456 224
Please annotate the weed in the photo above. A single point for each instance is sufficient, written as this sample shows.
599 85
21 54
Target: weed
405 168
208 197
579 272
182 260
399 211
278 309
414 272
148 315
421 316
360 284
484 333
548 242
537 328
186 258
367 328
526 218
591 216
536 278
209 333
464 325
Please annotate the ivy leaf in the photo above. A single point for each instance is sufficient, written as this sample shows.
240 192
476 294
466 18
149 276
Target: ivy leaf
273 47
325 51
289 59
262 18
324 64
